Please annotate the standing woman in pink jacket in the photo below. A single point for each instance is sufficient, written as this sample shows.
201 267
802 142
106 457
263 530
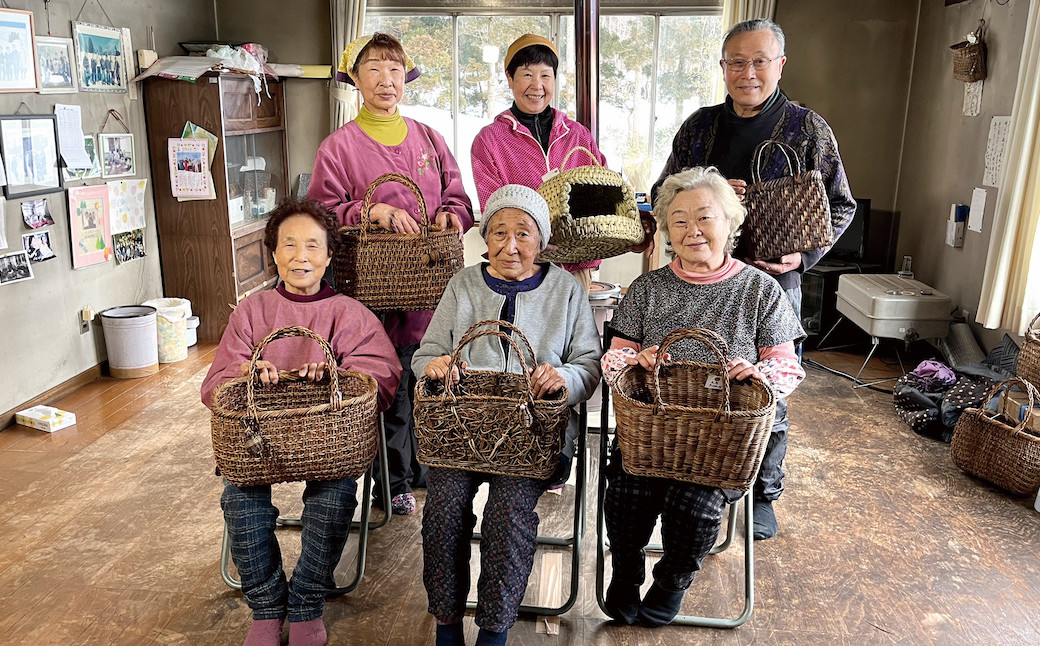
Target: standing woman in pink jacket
379 140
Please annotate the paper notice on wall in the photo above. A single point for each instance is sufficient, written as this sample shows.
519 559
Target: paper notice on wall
996 150
70 136
978 208
972 99
126 205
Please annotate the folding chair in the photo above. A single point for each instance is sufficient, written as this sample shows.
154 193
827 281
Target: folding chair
573 541
601 547
363 526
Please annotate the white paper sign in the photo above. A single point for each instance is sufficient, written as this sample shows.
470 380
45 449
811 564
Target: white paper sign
996 150
70 136
972 99
978 207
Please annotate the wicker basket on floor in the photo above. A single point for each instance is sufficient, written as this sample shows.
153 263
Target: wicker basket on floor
685 420
594 213
296 429
999 448
1028 366
489 421
396 271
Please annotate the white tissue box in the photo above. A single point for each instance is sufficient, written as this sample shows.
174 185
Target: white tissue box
45 418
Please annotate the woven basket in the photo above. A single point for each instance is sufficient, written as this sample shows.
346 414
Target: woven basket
296 429
969 59
670 424
998 448
787 214
593 210
396 271
489 421
1028 366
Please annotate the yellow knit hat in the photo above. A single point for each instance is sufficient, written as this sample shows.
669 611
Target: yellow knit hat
353 50
526 41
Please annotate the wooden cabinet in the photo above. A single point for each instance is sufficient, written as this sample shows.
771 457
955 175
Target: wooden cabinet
212 251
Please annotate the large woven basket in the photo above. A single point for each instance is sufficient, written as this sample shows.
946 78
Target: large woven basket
296 429
788 214
969 59
999 448
1028 366
686 421
593 210
396 271
490 421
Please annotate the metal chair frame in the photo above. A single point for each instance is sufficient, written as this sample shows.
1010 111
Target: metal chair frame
363 526
601 544
576 538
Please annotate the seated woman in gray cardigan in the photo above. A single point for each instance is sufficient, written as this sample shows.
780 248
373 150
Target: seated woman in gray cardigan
552 310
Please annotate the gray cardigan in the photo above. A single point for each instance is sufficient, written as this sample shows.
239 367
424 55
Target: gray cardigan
555 317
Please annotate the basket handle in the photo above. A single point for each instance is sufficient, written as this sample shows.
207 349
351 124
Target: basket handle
335 396
794 163
566 158
709 338
1029 329
497 323
1003 387
366 204
472 335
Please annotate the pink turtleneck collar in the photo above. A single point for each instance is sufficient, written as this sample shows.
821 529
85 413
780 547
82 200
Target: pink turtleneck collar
730 267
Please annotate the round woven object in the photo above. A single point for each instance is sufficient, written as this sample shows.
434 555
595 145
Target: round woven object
1028 366
686 421
296 429
396 271
489 421
594 213
998 448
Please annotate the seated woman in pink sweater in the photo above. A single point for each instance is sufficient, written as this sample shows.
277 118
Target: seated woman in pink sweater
302 236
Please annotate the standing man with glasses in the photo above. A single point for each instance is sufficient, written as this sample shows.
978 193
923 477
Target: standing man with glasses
725 136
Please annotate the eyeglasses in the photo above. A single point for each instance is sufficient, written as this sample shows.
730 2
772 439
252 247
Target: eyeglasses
737 65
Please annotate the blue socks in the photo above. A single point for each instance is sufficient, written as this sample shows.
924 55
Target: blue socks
488 638
450 634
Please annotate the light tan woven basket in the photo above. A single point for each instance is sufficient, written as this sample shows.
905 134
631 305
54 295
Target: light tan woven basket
1028 366
787 214
998 448
296 429
396 271
594 212
671 424
489 421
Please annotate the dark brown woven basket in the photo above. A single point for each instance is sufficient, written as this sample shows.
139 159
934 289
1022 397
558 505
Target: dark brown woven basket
489 421
969 59
996 447
396 271
1028 366
296 429
594 212
670 424
788 214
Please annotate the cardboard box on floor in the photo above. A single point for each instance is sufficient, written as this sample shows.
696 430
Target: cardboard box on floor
1017 403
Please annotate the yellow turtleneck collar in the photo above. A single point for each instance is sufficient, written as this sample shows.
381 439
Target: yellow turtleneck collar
389 131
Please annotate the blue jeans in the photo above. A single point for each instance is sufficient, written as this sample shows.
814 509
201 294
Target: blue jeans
328 507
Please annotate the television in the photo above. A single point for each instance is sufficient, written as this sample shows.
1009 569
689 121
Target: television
852 244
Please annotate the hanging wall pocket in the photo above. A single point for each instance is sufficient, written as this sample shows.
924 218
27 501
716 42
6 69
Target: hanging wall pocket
969 56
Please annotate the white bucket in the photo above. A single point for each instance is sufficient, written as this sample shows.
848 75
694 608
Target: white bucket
172 327
193 330
130 340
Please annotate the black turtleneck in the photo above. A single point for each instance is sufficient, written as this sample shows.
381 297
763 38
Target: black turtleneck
540 125
738 136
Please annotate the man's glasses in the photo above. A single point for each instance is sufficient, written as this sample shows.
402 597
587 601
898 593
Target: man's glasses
737 65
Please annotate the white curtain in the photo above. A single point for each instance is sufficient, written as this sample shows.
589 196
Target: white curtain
348 21
734 11
1011 284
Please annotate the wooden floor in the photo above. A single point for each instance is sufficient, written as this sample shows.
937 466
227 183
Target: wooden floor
110 534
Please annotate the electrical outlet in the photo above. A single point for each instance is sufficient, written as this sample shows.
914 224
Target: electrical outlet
86 315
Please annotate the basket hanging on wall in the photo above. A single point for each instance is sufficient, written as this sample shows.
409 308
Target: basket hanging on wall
969 58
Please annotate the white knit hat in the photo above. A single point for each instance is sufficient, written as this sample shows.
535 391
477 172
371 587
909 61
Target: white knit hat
520 197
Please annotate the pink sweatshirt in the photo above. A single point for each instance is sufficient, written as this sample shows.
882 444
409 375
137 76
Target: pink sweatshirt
349 160
505 152
357 339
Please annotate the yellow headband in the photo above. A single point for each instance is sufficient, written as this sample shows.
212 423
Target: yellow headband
353 50
526 41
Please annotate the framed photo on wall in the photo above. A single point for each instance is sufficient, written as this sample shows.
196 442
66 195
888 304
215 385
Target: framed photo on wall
88 226
18 54
56 60
99 57
117 155
30 148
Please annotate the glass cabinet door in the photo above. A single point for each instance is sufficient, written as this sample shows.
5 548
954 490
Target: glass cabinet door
255 175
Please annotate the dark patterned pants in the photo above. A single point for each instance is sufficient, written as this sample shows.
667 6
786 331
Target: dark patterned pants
690 519
509 535
328 507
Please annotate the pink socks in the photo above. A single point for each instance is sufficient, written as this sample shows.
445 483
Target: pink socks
265 632
307 633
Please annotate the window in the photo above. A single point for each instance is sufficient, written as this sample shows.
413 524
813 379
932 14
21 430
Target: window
656 67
